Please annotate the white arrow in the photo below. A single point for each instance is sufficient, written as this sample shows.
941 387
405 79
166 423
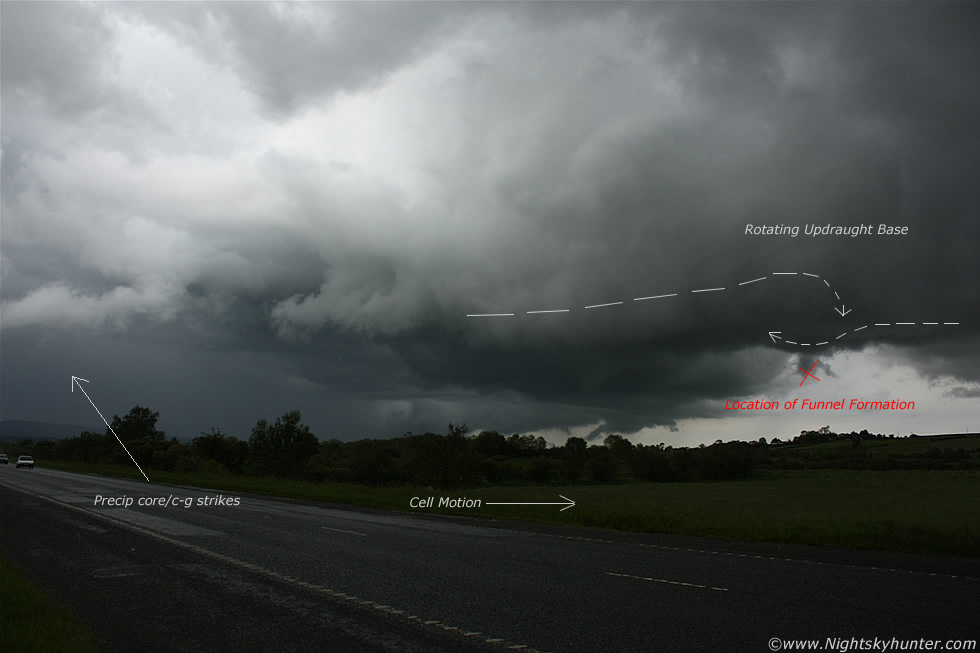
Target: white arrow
567 505
841 310
75 381
860 328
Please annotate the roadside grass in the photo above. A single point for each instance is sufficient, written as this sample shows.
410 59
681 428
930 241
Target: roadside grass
31 622
916 511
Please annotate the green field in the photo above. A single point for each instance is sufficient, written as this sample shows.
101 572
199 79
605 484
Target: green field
30 622
922 511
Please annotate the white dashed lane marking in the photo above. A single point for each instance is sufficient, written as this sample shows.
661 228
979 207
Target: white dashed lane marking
340 530
668 582
749 555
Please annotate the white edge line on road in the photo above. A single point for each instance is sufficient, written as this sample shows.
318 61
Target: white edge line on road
640 299
268 573
753 281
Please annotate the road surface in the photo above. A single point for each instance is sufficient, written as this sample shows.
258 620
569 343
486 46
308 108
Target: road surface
279 575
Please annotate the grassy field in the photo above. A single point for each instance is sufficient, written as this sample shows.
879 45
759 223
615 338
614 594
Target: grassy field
921 511
30 622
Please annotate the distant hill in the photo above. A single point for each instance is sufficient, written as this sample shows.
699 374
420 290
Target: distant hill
19 429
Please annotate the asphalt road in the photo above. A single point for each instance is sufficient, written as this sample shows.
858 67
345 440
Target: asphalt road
277 575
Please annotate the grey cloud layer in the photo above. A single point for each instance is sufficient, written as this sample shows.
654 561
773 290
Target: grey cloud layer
287 176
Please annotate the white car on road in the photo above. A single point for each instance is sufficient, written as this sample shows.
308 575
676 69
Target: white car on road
25 461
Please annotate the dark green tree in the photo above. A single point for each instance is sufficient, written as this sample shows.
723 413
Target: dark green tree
281 449
227 450
139 422
442 461
490 443
573 457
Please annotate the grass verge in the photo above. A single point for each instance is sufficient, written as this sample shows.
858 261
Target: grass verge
916 511
31 622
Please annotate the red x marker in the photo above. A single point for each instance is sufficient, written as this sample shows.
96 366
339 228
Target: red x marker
808 373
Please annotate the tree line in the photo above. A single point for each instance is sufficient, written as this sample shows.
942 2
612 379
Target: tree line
286 448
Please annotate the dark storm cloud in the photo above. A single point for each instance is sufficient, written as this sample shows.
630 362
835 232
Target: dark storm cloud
426 161
961 392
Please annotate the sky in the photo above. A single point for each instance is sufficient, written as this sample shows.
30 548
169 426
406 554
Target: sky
226 211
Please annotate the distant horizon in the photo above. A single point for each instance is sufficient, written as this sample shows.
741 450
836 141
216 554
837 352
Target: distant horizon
596 442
